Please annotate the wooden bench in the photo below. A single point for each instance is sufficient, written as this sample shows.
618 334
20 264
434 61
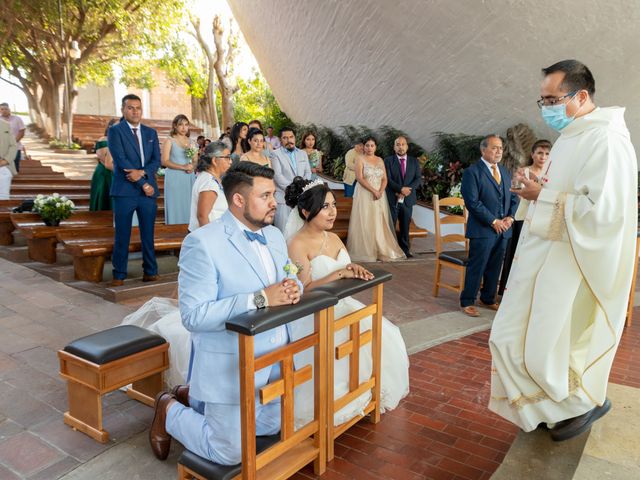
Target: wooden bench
90 246
6 227
281 456
357 339
87 129
266 457
42 239
100 363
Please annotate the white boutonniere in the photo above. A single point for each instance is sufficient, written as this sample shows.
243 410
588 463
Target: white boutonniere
292 268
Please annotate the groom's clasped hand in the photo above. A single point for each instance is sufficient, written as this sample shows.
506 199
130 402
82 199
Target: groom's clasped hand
286 292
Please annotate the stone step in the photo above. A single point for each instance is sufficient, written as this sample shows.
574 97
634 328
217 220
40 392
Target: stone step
612 450
609 450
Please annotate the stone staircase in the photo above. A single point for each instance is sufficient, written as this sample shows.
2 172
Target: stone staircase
609 451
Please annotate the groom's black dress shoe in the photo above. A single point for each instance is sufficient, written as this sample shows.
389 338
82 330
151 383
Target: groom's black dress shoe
575 426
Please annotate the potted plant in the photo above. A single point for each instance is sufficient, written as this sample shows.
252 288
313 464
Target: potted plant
53 208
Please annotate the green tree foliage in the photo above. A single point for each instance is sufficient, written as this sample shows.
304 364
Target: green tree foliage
126 32
254 100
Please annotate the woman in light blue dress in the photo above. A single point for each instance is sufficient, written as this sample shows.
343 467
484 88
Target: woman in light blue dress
179 163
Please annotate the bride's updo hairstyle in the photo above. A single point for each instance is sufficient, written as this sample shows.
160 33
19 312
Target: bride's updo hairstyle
312 199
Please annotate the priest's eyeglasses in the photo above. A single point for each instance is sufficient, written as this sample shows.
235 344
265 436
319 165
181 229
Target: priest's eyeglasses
550 101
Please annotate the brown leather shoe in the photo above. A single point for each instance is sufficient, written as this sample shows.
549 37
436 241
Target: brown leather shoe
471 311
150 278
181 392
490 306
159 439
116 282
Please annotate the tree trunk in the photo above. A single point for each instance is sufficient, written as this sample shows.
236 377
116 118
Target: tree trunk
209 101
223 65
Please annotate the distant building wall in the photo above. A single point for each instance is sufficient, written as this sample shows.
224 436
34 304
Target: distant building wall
163 101
95 100
438 65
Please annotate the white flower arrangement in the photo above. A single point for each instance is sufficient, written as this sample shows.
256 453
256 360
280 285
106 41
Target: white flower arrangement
292 269
53 208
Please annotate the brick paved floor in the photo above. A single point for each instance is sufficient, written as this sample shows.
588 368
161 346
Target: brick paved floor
443 430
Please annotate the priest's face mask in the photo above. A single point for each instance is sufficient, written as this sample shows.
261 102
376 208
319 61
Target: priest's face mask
554 94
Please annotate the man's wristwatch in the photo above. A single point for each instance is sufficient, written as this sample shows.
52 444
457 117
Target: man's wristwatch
260 299
494 222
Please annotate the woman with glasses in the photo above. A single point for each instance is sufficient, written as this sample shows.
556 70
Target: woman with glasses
208 203
257 153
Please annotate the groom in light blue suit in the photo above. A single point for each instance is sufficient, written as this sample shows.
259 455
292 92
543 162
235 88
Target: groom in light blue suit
227 268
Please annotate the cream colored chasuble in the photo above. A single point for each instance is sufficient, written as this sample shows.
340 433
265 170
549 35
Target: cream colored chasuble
555 335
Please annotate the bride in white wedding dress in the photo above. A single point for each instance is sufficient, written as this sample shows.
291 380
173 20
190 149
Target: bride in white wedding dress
323 258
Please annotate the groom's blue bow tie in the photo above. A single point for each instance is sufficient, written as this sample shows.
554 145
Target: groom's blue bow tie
255 236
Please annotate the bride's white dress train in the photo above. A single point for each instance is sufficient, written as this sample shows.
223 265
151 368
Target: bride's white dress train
162 316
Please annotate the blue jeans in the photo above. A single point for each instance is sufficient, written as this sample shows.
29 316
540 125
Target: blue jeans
17 160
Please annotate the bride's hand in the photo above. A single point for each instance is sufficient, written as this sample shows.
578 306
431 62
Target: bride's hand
358 271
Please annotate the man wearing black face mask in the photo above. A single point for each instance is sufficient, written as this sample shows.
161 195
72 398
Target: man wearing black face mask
288 162
555 335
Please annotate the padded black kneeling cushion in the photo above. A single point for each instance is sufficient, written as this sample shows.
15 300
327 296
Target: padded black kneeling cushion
118 342
459 257
213 471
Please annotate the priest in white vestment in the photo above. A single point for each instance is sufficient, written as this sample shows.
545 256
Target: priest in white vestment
557 330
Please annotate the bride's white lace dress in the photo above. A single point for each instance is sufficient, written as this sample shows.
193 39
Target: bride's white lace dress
162 316
394 384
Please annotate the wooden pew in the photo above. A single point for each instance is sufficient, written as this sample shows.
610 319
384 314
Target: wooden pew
90 246
42 239
87 129
6 227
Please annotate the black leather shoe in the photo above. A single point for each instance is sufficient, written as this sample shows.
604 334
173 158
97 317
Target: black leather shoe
575 426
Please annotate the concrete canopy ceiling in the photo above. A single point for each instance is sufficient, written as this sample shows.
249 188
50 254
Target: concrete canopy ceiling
459 66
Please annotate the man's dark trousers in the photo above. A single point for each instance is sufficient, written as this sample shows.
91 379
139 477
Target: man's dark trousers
123 208
485 255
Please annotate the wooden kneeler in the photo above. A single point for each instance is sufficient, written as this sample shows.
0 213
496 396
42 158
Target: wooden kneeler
100 363
351 348
282 457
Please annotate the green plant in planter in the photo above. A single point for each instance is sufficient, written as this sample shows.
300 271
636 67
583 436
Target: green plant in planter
58 144
53 208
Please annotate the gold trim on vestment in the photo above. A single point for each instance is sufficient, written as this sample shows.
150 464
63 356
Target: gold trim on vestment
606 317
519 403
557 224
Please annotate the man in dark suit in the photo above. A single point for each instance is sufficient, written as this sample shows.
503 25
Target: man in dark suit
491 205
136 157
403 178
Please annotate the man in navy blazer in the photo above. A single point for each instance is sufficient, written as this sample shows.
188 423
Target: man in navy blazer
486 191
403 178
136 157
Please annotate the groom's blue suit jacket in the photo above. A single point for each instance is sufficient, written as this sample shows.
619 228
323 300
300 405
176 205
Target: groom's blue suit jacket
219 272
